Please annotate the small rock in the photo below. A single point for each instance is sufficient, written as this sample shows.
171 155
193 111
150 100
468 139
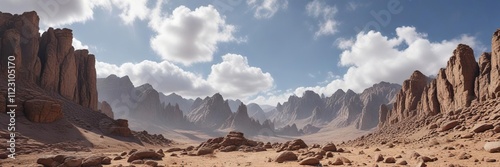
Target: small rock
379 158
421 164
401 162
151 163
390 160
118 158
490 160
464 155
123 153
106 161
329 154
174 149
138 161
329 147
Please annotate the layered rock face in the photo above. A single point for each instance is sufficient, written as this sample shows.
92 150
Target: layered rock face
372 98
462 83
49 61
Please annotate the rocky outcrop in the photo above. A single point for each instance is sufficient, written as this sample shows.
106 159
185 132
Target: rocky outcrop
120 128
408 97
233 141
461 83
461 72
105 108
42 110
19 36
48 61
482 82
494 88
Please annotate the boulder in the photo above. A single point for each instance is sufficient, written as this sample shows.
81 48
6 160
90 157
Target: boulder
390 160
448 125
144 154
492 147
42 110
285 156
329 147
204 151
93 160
309 161
481 127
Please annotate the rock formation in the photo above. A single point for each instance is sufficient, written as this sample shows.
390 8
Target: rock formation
105 108
494 88
42 110
462 83
184 104
48 62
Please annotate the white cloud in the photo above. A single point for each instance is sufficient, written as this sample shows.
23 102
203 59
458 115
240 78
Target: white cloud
234 78
164 77
77 44
325 13
54 13
272 98
189 36
373 58
265 9
343 43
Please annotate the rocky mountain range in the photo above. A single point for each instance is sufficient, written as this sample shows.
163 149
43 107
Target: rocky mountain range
339 110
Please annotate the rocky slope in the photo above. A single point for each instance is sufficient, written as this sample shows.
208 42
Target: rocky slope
184 104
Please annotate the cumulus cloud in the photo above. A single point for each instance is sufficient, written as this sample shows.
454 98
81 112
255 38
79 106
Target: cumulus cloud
188 36
63 12
373 57
164 77
325 14
272 97
77 44
233 77
265 9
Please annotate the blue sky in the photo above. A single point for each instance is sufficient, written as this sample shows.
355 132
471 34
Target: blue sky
265 50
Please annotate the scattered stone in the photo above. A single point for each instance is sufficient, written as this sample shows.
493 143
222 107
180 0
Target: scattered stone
309 161
286 156
464 155
106 161
3 156
123 153
376 149
329 154
490 160
118 158
421 164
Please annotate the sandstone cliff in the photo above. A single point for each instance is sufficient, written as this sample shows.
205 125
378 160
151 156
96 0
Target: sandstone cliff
48 62
462 83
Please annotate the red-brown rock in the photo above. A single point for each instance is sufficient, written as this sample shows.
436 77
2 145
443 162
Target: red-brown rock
42 110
